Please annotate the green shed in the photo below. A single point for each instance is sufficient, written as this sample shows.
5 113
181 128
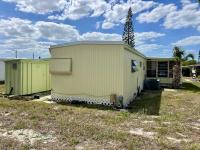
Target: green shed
27 76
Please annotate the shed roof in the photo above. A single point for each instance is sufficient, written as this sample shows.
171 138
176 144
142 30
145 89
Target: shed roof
27 60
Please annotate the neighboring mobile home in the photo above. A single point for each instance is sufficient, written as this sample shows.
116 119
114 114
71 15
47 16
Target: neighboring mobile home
99 72
162 69
27 76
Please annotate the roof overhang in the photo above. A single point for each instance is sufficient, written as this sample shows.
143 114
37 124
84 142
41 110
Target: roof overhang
161 59
88 43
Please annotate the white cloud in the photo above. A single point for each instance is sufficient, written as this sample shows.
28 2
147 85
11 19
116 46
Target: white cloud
57 32
113 11
174 18
188 16
142 37
100 36
82 8
27 36
25 46
118 12
17 27
108 25
148 48
189 41
39 6
156 14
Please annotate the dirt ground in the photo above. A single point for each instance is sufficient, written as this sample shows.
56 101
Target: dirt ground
164 119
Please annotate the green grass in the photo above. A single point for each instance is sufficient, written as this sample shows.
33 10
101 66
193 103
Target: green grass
97 127
193 87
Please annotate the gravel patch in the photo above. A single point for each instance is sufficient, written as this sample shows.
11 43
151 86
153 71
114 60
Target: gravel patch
141 132
175 140
27 136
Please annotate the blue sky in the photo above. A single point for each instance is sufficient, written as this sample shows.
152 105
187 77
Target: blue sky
32 25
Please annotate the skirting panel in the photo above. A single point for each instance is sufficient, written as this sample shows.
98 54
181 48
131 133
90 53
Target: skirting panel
81 98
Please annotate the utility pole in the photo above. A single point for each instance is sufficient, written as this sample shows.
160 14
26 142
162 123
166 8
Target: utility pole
33 55
199 57
16 54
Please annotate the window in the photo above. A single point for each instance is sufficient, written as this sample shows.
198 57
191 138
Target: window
61 66
14 65
151 68
133 65
162 69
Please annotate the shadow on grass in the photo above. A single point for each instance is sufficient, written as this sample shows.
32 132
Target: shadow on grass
148 103
193 87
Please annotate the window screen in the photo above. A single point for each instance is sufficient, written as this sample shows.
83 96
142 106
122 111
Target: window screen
151 68
162 69
133 65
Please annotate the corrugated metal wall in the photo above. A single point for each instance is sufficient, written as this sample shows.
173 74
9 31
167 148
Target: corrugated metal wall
97 70
12 77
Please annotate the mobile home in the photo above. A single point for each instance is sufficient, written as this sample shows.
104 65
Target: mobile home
100 72
161 69
26 76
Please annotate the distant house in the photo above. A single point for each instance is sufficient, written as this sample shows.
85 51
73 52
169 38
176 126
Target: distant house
2 71
103 72
190 70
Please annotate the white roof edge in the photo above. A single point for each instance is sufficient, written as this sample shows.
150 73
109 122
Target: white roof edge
164 58
88 42
133 50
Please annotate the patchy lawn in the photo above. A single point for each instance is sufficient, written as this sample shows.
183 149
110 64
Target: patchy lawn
165 119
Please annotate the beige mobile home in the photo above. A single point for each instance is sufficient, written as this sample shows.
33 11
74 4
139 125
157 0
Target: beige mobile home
94 71
100 72
26 76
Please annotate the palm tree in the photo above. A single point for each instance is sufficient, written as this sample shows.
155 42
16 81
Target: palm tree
178 55
189 56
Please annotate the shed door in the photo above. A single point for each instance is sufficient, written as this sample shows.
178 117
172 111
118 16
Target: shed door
12 78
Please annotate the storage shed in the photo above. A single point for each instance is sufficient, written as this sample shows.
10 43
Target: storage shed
96 72
27 76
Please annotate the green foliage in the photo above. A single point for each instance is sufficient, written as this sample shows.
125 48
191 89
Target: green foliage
189 62
128 34
178 53
190 55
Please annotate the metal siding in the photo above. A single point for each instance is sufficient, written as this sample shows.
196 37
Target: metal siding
97 70
130 79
